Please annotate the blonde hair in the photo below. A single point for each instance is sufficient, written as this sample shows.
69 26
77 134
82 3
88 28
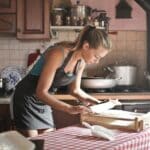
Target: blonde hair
95 37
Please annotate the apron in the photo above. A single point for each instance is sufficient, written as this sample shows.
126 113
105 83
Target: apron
30 112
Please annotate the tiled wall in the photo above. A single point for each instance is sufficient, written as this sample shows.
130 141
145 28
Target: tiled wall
129 48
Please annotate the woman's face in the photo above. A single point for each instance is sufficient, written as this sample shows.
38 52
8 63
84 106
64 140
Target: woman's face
91 55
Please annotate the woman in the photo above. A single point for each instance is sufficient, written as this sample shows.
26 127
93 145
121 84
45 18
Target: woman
60 65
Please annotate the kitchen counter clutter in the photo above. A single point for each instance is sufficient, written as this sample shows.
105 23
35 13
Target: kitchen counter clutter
79 137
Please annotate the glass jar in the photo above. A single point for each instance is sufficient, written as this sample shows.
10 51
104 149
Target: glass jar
96 23
89 20
58 15
74 21
68 21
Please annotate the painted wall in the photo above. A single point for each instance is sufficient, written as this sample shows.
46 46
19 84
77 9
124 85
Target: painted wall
137 22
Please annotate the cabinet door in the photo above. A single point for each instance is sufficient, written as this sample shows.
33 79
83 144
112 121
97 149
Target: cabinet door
33 19
7 6
8 23
5 119
63 119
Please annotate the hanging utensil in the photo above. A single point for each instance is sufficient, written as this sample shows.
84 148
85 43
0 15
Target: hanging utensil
123 10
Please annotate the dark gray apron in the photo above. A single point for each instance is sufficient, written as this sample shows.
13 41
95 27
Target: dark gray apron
30 112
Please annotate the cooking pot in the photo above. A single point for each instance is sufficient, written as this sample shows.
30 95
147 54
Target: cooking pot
127 75
80 11
98 82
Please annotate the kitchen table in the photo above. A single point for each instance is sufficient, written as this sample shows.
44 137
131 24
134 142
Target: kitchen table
79 138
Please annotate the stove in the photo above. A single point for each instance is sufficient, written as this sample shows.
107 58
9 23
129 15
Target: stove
118 89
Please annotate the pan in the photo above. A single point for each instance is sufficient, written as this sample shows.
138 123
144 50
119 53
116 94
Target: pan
98 82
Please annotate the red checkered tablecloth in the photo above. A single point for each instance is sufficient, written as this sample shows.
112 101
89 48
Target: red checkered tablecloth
80 138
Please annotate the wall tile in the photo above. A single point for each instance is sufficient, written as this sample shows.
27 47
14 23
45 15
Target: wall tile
129 47
131 35
121 36
113 36
141 36
140 45
121 45
72 35
63 35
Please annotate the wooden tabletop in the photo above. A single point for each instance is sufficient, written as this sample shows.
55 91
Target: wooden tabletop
100 96
104 96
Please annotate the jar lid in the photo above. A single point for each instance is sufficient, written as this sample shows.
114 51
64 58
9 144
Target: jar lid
58 9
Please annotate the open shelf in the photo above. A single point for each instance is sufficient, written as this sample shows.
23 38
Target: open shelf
69 27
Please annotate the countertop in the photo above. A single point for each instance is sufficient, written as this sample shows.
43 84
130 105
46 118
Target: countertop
104 96
5 100
100 96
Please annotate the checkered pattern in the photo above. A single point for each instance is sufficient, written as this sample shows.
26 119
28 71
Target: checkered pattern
80 138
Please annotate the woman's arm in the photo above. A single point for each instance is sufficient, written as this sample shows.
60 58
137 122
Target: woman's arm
75 88
53 60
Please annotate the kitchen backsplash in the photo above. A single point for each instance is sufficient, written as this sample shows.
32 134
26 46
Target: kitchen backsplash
129 48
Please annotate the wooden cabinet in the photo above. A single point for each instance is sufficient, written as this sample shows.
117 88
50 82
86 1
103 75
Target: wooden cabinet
33 19
8 23
5 119
28 19
63 119
8 16
7 6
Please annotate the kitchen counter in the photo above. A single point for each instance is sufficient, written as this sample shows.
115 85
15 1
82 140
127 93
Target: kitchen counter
5 100
104 96
100 96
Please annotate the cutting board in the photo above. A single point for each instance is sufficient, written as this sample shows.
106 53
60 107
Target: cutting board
119 119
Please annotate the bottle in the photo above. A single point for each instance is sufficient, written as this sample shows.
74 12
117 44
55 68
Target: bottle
96 23
80 21
74 21
89 20
68 21
58 21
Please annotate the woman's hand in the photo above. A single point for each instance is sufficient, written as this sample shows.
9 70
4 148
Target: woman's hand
79 109
90 102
